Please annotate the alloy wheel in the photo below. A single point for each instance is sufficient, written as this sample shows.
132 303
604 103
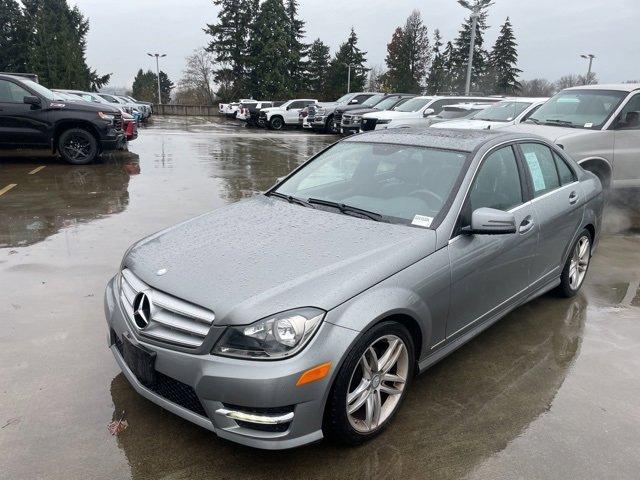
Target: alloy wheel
579 262
377 383
77 148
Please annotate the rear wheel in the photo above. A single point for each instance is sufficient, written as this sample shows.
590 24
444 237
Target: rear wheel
78 146
576 266
371 384
276 123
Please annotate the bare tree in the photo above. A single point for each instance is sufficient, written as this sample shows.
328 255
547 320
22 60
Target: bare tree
537 87
198 77
375 83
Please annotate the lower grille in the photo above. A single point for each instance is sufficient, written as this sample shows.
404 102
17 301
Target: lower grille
346 120
171 389
369 124
117 121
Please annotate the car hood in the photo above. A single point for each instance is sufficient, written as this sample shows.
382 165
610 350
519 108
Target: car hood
350 108
263 255
361 111
470 124
392 114
551 132
82 106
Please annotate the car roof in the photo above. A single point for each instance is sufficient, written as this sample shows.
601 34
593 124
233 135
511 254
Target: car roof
525 99
443 138
623 87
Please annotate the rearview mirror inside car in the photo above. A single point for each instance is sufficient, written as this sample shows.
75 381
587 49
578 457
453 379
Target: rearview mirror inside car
428 111
32 100
489 221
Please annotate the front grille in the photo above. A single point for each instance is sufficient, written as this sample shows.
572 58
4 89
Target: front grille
172 321
346 120
117 121
172 389
369 124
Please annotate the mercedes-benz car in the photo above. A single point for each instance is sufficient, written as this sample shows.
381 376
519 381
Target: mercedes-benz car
305 312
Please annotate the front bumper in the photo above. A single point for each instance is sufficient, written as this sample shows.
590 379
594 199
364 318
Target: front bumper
220 385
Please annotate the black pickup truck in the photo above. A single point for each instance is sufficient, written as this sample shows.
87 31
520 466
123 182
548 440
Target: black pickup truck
32 116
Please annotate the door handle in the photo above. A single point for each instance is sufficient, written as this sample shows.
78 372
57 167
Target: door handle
526 225
573 197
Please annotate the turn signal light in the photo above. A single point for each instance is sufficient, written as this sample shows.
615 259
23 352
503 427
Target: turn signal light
313 374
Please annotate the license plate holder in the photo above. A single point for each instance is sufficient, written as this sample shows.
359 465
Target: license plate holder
140 361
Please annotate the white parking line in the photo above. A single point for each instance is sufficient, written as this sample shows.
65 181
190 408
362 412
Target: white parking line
37 169
7 188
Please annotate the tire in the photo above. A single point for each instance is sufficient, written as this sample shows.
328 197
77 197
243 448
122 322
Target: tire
331 126
354 429
576 267
78 146
276 123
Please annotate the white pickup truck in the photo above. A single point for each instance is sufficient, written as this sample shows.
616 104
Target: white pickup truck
598 125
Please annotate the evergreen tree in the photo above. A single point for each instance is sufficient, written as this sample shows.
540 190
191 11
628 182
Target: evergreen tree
268 52
503 62
13 37
230 44
437 79
347 54
408 56
166 86
145 86
448 68
57 45
297 50
460 56
317 68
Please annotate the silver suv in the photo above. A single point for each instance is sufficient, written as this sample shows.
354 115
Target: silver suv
598 125
306 312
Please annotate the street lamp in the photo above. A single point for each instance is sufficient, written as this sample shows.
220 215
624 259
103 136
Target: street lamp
158 57
355 67
476 11
590 57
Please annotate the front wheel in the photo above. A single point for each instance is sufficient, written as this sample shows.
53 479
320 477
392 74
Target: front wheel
276 123
576 266
78 146
371 384
331 126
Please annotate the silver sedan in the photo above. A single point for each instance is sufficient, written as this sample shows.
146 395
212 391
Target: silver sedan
307 311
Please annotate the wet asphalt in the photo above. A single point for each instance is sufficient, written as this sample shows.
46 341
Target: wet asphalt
550 392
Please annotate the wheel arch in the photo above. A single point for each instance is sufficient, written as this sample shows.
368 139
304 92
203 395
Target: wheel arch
600 167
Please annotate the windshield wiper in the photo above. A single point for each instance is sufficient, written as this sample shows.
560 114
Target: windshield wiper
534 120
346 209
561 122
291 199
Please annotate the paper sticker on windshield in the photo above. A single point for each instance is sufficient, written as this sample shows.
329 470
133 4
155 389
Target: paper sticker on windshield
422 221
536 171
588 125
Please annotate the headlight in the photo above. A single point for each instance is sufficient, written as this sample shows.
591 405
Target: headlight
107 116
274 337
320 111
383 121
356 119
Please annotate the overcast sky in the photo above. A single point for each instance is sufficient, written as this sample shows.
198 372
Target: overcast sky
551 33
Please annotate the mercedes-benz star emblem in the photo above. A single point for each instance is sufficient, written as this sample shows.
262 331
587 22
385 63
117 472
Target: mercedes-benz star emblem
142 310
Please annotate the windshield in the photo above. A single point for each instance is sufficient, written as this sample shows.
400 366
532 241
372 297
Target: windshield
371 101
413 105
579 108
397 182
39 89
502 111
449 113
387 103
344 98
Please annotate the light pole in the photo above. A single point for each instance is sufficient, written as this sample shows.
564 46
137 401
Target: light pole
158 57
349 67
476 9
590 57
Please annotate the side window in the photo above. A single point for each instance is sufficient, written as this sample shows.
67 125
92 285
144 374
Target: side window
439 104
530 112
564 172
361 98
297 104
629 118
12 93
497 184
542 167
306 103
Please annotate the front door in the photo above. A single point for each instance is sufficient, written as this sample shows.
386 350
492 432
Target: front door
558 203
626 150
488 271
20 124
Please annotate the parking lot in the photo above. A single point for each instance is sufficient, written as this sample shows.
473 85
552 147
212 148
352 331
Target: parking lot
551 391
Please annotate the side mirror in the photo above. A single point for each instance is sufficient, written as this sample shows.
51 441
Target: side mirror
489 221
32 100
428 111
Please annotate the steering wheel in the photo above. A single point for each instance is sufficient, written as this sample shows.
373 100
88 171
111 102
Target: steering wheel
422 192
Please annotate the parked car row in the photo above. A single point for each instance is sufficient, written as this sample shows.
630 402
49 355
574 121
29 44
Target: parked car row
77 125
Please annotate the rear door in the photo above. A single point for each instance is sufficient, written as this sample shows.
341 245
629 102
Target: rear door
626 152
490 271
21 124
558 205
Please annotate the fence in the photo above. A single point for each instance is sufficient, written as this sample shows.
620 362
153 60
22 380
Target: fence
186 110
